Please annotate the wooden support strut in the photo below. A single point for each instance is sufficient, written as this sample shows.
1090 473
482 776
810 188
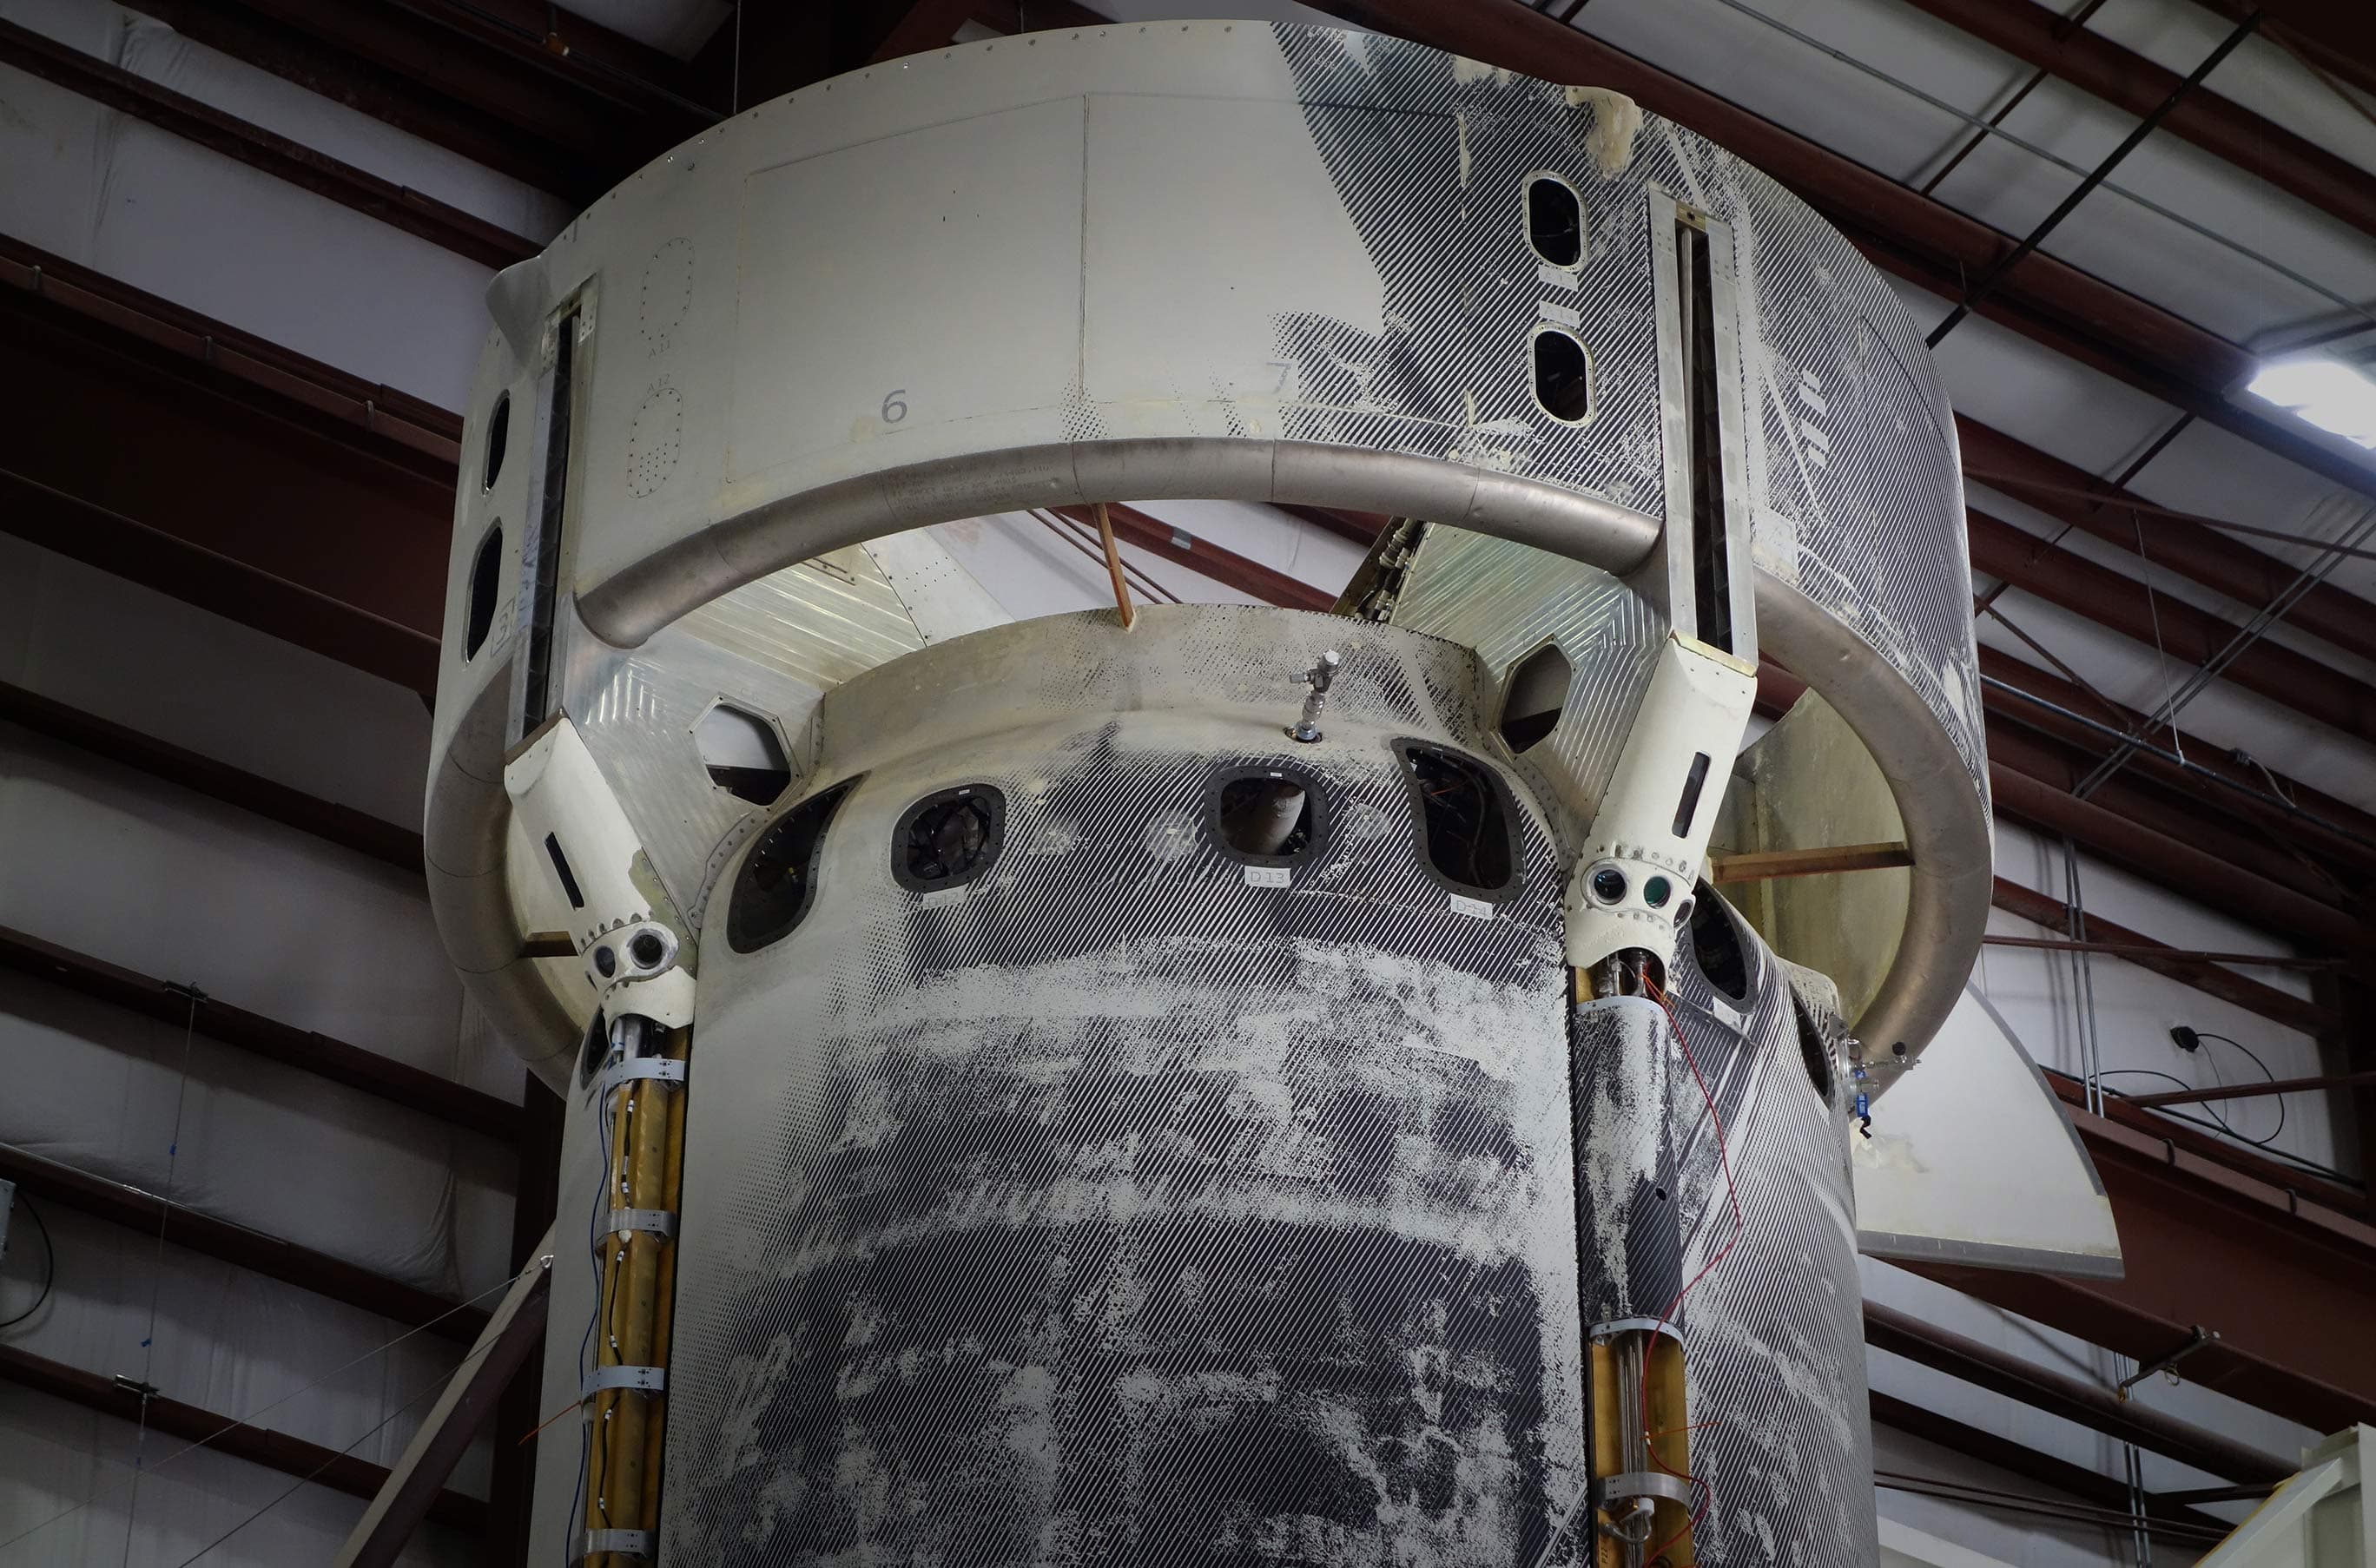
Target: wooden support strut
1113 566
627 1425
1766 865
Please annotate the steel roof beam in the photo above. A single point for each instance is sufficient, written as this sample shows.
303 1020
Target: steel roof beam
2178 817
2015 1459
2284 1281
267 489
592 104
2095 65
2188 636
2061 708
2088 1405
2217 561
464 234
156 1218
383 1077
1902 231
2176 863
327 820
2278 1006
334 1468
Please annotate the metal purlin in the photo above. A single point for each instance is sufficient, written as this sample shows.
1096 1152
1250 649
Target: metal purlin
626 1395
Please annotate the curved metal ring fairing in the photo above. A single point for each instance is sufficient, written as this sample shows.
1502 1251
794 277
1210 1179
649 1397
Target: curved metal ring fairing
1374 158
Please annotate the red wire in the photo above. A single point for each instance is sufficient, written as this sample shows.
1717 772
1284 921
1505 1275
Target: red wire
1732 1194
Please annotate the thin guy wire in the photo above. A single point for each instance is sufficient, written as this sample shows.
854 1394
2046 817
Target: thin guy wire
2136 137
2083 994
2161 654
249 1419
2272 796
598 67
2064 29
2014 484
308 1479
157 1272
2367 313
2246 636
735 93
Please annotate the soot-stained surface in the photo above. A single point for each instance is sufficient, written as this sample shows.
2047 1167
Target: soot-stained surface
1121 1211
1118 1208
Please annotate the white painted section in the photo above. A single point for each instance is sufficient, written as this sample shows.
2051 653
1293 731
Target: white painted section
2319 1518
1970 1160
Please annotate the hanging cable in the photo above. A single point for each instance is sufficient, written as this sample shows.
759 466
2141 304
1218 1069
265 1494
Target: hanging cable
157 1268
250 1418
1732 1195
49 1264
308 1477
1987 281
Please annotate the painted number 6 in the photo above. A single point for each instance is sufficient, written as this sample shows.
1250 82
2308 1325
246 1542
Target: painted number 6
894 410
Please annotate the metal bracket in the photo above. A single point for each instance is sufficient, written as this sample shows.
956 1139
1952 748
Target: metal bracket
1641 1483
630 1543
1615 1326
2194 1341
654 1221
658 1068
631 1380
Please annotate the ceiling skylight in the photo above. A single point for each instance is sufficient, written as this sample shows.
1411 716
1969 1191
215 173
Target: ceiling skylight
2328 393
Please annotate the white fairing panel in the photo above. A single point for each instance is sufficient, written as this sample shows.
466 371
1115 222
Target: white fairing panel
2319 1518
1972 1161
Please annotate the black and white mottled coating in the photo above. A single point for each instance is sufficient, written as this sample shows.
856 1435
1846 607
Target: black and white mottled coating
1117 1209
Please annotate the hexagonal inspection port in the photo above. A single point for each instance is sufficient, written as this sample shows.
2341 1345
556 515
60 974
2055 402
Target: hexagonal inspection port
744 754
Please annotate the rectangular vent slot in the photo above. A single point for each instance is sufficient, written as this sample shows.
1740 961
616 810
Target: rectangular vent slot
543 567
561 869
1711 561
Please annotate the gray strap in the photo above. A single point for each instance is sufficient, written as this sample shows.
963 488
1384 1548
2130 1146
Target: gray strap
636 1380
659 1221
1642 1483
633 1067
634 1543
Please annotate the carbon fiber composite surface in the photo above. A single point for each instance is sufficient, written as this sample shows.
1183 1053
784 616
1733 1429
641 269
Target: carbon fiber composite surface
1123 1206
1856 489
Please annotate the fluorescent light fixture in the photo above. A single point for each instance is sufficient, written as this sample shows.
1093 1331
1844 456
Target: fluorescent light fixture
2329 394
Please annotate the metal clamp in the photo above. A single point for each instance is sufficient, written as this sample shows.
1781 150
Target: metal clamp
632 1380
633 1067
656 1221
628 1543
1615 1326
1641 1483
